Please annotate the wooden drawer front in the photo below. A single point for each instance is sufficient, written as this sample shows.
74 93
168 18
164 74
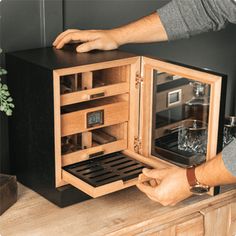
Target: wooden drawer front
96 93
76 122
192 225
219 219
83 155
103 175
94 143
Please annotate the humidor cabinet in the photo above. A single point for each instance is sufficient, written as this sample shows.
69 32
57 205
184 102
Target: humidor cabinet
85 125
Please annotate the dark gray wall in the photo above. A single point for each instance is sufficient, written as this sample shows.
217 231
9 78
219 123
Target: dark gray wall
25 24
35 23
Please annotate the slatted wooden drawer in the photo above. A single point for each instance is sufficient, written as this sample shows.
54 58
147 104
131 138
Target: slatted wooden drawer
103 175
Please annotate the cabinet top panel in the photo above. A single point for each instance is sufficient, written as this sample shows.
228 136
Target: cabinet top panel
52 58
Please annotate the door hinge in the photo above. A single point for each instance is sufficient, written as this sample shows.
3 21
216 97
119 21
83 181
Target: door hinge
137 144
138 80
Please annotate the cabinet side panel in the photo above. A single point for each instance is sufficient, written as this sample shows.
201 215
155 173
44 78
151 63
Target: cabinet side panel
31 129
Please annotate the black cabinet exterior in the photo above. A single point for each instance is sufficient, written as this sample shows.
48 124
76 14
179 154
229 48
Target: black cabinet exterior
31 132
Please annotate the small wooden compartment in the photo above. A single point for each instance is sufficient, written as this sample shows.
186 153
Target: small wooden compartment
94 143
93 85
95 120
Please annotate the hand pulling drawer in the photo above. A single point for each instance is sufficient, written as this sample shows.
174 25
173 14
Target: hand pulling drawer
79 121
103 175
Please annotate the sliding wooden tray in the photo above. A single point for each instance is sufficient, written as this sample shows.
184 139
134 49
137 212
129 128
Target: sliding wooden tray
104 174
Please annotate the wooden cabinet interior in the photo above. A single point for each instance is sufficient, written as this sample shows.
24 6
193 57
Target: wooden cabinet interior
127 120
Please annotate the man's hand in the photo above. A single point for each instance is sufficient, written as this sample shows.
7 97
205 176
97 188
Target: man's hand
145 30
90 39
166 186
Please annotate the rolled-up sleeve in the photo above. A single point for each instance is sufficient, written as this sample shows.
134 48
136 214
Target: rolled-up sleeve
229 157
185 18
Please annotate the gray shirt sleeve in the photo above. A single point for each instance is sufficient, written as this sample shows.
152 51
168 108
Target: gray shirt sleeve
185 18
229 157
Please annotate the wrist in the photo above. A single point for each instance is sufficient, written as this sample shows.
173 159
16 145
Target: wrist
118 35
200 174
195 185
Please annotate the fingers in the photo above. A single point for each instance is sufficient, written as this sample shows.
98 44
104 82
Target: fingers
152 198
146 188
89 46
154 173
143 178
81 36
62 35
153 183
67 38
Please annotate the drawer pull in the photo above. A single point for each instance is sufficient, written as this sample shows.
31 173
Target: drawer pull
97 95
96 154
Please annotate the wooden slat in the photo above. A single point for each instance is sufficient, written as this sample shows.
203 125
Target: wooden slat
133 104
57 129
75 122
146 112
86 140
185 72
87 80
81 96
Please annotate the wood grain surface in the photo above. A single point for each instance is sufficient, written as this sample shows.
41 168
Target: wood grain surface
127 212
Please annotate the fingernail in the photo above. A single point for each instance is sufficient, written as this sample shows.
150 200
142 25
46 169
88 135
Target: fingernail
79 50
146 170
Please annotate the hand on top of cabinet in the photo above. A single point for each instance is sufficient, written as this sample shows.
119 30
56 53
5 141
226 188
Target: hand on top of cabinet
146 29
167 186
90 39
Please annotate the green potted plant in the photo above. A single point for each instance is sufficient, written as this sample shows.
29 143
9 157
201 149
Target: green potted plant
6 100
8 185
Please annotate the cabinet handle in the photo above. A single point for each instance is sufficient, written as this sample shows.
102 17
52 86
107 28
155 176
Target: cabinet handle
97 95
96 154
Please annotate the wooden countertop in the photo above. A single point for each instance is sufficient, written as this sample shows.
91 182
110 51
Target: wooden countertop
119 213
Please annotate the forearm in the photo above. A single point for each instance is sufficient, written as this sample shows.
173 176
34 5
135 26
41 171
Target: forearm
214 172
145 30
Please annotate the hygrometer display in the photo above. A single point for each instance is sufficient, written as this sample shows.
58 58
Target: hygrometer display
95 118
